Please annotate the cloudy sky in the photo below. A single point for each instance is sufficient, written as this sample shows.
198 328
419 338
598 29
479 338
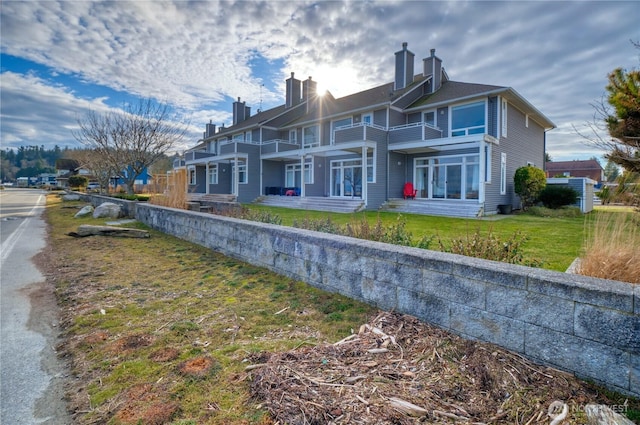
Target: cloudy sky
60 59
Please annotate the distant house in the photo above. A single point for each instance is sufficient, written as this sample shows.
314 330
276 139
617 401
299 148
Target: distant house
589 168
458 143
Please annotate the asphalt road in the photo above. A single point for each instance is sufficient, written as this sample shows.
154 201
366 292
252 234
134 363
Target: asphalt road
31 375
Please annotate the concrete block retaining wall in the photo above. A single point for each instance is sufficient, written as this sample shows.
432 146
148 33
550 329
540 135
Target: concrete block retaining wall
587 326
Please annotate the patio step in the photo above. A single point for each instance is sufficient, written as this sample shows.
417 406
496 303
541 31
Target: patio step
433 207
312 203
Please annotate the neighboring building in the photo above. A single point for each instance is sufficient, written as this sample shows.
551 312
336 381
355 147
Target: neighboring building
458 143
589 168
584 187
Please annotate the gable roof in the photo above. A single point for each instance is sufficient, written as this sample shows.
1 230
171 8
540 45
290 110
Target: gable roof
577 165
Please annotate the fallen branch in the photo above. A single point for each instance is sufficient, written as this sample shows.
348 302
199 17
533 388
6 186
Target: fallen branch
85 230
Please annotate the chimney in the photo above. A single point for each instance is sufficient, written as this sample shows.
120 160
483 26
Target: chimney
239 112
309 89
293 92
433 67
404 68
210 130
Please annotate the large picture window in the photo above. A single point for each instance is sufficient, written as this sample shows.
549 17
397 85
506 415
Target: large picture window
468 119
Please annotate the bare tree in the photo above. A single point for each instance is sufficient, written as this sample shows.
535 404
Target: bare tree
132 139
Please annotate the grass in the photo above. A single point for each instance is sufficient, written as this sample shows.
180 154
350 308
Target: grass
553 243
611 247
139 313
126 300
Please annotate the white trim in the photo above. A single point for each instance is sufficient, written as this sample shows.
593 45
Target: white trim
503 173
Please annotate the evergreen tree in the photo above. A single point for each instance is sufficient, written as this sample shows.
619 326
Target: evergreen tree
624 96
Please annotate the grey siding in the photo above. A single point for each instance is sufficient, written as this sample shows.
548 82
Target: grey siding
398 166
252 189
396 118
522 145
318 187
377 192
272 174
380 117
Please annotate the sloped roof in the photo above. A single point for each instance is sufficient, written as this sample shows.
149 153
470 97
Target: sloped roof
588 164
453 90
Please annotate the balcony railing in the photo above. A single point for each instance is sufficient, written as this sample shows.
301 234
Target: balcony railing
195 155
278 145
359 131
414 132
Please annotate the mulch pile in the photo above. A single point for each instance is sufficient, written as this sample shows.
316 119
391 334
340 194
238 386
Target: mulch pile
398 370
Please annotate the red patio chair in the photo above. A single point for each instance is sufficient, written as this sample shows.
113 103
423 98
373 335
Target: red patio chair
408 191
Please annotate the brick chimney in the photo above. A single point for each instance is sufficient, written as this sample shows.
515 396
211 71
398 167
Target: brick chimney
404 68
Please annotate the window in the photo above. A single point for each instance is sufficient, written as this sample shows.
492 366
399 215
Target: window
367 118
293 136
292 173
487 163
311 136
429 118
238 137
247 136
242 171
192 176
503 173
468 119
505 106
213 174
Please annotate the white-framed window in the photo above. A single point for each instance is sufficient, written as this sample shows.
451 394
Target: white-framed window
429 118
503 173
487 163
293 136
505 108
292 173
311 136
213 174
192 176
238 137
247 136
468 119
242 171
367 118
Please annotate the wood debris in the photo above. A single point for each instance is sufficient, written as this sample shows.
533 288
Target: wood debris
397 370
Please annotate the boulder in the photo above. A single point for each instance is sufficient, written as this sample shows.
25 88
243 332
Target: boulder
107 210
70 197
85 211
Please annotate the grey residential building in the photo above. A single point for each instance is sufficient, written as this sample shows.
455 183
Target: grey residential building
458 144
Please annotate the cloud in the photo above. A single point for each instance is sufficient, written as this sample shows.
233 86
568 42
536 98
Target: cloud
200 55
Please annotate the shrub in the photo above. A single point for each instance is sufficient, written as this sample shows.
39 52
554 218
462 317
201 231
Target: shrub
554 196
564 212
490 247
78 181
528 183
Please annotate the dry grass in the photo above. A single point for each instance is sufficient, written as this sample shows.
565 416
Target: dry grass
174 192
161 331
611 248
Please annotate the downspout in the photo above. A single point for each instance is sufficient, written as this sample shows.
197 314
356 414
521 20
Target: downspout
206 178
365 181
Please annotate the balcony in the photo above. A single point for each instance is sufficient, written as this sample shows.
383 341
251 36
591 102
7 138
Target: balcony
359 132
418 131
194 156
278 145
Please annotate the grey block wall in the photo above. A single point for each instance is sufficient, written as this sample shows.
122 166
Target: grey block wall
587 326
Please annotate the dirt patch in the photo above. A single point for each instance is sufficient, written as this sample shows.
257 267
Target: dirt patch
397 370
198 368
143 404
130 343
165 354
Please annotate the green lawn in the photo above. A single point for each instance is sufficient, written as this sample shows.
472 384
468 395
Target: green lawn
555 242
